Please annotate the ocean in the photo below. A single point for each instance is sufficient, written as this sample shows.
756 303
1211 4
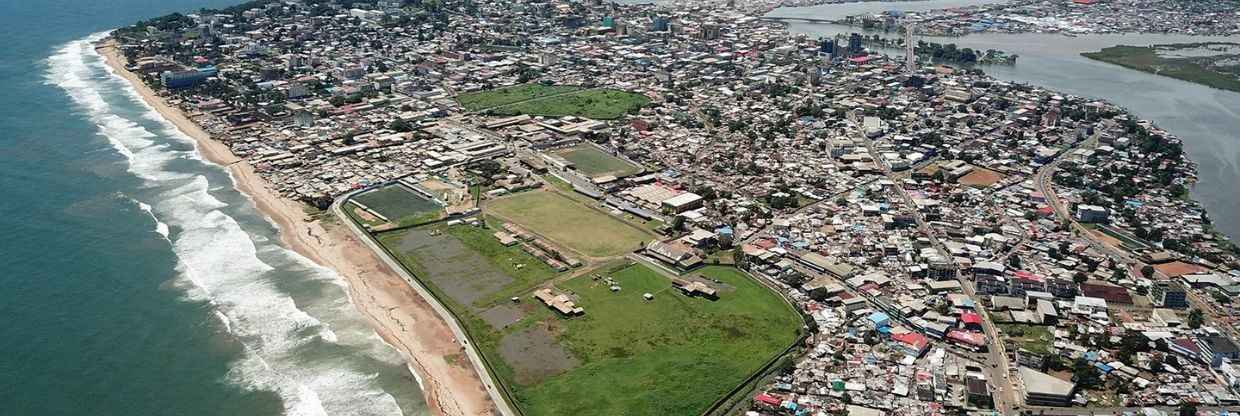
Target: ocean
136 280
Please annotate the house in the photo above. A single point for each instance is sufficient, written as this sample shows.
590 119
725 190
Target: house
910 343
683 202
673 253
1043 389
1091 213
1186 348
1085 305
695 288
560 303
1215 348
1112 294
977 392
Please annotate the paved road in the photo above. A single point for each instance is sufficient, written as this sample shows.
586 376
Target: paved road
488 380
996 366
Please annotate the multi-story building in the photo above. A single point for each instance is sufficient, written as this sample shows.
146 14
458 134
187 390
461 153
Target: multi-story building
1169 295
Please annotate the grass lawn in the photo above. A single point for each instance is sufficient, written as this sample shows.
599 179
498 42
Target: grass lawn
594 162
401 206
570 223
525 270
480 248
600 104
674 355
475 101
1144 58
1036 339
669 356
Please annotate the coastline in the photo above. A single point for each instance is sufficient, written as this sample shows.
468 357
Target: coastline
395 311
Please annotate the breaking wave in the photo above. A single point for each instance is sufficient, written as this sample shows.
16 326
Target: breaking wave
221 264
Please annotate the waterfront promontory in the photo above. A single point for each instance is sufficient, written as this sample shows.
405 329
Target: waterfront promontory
587 207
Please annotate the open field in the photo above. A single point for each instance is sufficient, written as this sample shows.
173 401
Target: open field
600 104
673 355
594 163
1178 268
480 100
1036 339
570 223
466 264
980 177
401 206
1147 59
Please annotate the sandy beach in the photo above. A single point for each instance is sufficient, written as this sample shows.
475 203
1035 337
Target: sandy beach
394 309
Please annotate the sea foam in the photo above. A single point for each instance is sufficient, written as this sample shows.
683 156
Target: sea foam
219 262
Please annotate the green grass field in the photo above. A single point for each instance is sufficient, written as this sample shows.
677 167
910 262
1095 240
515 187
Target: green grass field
480 100
401 206
1036 339
530 272
570 223
1146 59
673 355
594 162
602 104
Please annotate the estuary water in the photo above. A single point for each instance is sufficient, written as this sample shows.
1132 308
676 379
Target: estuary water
136 279
1206 119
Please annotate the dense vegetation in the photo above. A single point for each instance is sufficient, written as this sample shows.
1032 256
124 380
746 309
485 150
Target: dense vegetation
1147 59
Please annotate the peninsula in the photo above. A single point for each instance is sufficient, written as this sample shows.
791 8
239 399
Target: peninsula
562 208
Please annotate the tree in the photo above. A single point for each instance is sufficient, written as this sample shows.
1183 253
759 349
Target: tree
1195 318
1132 343
1014 262
1156 365
401 126
1147 271
1120 273
1080 277
1188 409
1085 374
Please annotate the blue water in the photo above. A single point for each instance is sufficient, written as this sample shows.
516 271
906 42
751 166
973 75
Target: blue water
134 278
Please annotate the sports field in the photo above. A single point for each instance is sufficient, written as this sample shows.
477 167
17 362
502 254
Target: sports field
595 163
597 104
466 264
475 101
673 355
980 177
570 223
626 355
400 205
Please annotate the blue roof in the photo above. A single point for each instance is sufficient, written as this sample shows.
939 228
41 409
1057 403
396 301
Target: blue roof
1103 367
879 317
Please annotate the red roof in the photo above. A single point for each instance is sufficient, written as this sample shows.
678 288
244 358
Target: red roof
967 337
970 318
768 399
1024 275
1113 294
913 339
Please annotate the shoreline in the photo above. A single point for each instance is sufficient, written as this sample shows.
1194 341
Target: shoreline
402 318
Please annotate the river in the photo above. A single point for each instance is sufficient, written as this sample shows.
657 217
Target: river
1206 119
